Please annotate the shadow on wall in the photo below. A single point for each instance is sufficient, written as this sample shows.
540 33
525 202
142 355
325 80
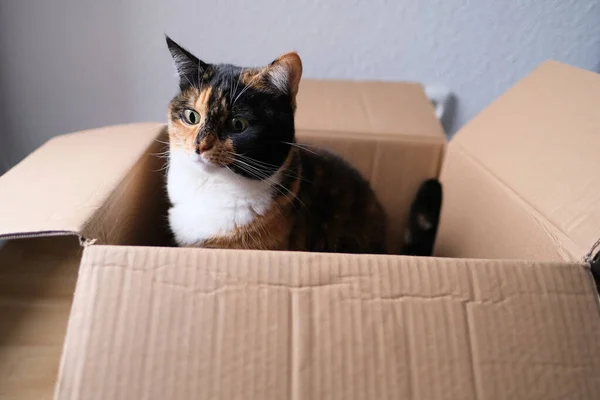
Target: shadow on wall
444 103
4 162
62 69
449 117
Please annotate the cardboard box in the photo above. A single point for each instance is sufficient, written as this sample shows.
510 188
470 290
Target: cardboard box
510 312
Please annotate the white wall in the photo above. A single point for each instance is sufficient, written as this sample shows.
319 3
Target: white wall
66 65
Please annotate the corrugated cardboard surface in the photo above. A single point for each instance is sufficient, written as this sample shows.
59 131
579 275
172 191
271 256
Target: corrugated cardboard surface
363 107
135 212
189 323
61 185
482 218
37 280
540 140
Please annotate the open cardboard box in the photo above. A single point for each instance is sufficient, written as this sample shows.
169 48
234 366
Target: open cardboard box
507 310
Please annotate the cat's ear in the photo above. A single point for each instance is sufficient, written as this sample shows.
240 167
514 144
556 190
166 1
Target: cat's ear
285 73
189 67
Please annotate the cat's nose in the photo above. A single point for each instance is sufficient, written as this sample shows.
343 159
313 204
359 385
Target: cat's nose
205 144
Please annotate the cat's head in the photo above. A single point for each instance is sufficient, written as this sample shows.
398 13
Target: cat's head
227 116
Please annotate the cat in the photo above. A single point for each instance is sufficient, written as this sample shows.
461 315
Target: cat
236 177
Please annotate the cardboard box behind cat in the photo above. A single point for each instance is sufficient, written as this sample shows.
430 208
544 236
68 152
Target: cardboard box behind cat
512 312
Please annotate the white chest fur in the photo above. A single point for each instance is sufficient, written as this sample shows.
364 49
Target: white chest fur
210 202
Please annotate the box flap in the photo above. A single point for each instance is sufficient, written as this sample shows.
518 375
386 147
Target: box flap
167 323
37 281
59 187
481 218
366 107
540 142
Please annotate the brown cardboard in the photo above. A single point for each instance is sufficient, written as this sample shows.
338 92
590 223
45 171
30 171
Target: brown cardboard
159 323
80 171
539 143
492 220
366 108
37 279
168 323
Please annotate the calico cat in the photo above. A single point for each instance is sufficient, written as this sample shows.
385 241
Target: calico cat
238 179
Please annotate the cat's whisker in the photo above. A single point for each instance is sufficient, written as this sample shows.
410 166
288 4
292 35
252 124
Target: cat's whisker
163 168
257 163
250 170
230 89
284 171
247 86
275 185
231 85
257 173
234 175
165 155
264 173
264 168
200 76
237 86
166 151
187 79
289 173
300 146
255 160
239 79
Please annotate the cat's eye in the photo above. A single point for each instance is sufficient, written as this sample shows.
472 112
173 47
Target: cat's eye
191 117
237 125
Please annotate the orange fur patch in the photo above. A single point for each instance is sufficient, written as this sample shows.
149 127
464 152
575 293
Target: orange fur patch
255 79
267 232
201 103
184 135
221 152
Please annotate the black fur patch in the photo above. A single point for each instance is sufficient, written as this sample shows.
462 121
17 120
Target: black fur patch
423 220
337 210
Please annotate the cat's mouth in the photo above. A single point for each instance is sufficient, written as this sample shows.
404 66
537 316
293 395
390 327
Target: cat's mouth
207 160
201 159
